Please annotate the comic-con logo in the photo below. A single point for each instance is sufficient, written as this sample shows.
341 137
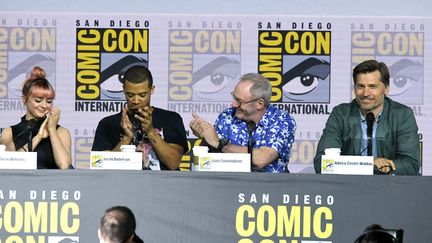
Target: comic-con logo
204 65
187 160
42 216
83 140
22 48
101 55
402 51
297 63
284 218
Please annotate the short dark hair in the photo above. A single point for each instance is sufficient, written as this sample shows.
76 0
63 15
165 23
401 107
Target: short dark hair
117 224
376 234
370 66
139 74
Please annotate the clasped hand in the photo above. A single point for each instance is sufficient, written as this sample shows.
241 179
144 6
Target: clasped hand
384 165
144 116
50 122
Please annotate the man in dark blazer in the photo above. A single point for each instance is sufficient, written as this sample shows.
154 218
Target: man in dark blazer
395 139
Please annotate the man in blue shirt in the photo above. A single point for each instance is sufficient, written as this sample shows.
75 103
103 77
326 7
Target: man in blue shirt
272 130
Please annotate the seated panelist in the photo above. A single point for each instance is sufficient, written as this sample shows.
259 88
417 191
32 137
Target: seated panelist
39 130
251 125
157 133
373 123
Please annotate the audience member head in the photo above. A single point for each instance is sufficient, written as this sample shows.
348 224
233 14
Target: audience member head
376 234
117 225
370 66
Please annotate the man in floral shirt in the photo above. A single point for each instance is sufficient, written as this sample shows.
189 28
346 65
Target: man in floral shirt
272 129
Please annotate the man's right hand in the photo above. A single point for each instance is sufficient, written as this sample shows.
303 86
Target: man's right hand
204 130
384 165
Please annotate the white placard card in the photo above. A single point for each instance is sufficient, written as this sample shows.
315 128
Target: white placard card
18 160
225 162
347 165
116 160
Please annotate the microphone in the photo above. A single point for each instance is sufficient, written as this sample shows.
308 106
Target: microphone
136 127
22 138
30 125
250 128
370 118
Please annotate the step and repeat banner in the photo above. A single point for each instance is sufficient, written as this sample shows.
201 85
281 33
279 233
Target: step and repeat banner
48 206
196 61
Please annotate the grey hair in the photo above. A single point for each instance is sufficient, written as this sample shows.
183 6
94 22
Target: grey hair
261 87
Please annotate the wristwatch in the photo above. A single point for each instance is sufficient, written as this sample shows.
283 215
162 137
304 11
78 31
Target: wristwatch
222 143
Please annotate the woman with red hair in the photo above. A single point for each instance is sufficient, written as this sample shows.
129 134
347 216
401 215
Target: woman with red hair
51 141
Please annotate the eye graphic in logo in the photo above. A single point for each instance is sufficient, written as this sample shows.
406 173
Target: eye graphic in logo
18 74
111 86
328 165
215 80
97 161
307 81
404 74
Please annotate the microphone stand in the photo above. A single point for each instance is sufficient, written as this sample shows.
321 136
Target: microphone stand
30 142
369 146
251 128
31 124
134 135
136 127
370 118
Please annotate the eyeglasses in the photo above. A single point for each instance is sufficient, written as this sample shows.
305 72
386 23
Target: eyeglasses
239 102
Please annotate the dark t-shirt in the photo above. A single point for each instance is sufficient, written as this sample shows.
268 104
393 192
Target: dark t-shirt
169 123
45 156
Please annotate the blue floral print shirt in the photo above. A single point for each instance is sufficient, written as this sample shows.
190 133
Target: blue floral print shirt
276 130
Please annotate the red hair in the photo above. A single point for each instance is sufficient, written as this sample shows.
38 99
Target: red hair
36 79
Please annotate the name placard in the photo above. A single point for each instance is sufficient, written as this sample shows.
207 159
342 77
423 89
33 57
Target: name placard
225 162
347 165
115 160
18 160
